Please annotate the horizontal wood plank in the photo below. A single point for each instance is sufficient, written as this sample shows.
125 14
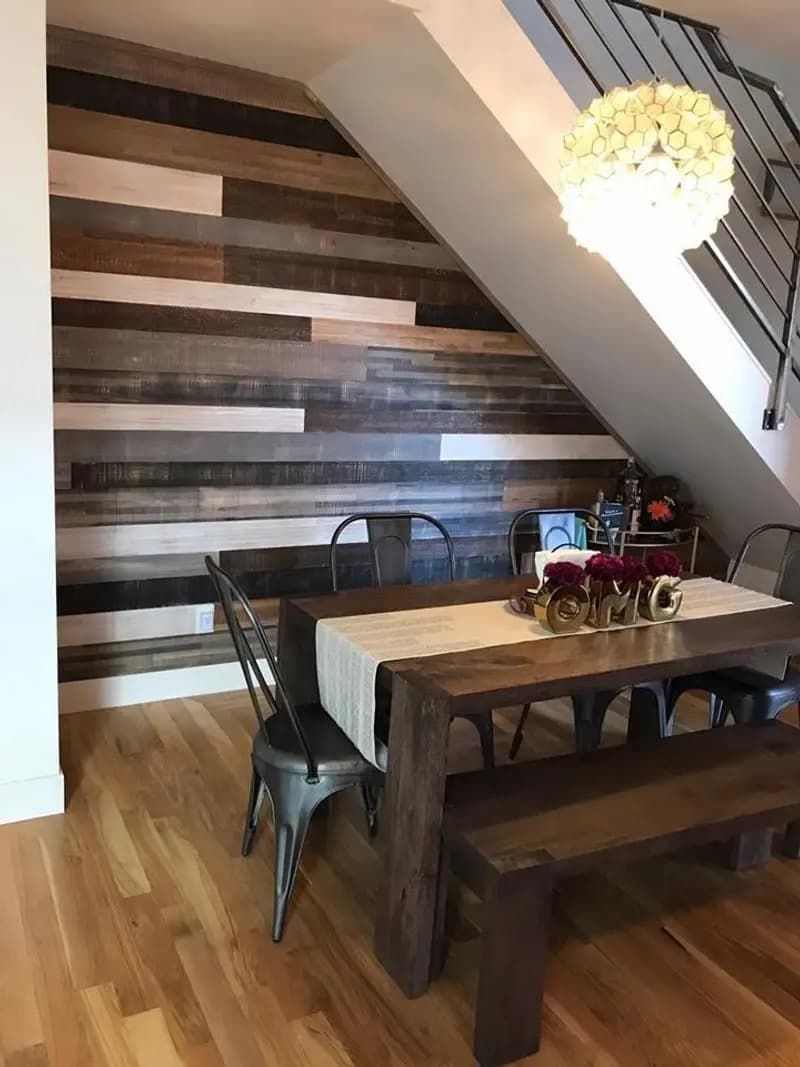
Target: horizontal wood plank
177 417
80 572
300 238
89 285
98 349
113 314
427 338
89 133
116 181
114 254
96 54
530 446
88 542
100 627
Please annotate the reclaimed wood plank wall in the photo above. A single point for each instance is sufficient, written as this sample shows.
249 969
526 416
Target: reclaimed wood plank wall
252 339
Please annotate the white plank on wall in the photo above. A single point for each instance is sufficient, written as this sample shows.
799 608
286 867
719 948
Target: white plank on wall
163 538
189 417
183 292
103 627
497 446
118 181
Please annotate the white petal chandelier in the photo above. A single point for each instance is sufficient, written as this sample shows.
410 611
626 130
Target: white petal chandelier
647 168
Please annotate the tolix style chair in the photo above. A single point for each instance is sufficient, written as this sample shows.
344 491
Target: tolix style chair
299 758
389 535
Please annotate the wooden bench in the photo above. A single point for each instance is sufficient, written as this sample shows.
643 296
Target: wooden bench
510 833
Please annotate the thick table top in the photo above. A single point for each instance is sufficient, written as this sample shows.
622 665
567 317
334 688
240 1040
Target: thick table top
503 675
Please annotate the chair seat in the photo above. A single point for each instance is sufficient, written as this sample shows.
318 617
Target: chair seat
333 750
738 682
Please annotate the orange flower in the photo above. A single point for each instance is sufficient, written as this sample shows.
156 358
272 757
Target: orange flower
660 511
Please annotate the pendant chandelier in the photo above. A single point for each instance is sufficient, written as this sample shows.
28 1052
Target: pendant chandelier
647 168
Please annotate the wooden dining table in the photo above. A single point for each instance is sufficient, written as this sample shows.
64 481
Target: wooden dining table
427 692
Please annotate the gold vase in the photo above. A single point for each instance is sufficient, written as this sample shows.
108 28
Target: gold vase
661 600
608 603
561 608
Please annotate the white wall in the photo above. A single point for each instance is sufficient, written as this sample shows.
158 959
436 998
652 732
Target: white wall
30 779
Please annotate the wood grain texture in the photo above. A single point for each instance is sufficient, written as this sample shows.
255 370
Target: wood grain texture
166 417
426 338
301 238
114 315
90 285
343 210
78 50
114 181
138 141
176 107
143 352
115 254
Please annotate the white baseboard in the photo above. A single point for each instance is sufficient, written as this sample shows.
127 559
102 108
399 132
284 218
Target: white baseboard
122 690
32 798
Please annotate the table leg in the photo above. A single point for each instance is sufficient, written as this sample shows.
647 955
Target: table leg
750 849
415 788
297 654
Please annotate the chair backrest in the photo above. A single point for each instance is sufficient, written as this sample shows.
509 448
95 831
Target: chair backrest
787 587
251 643
389 539
530 514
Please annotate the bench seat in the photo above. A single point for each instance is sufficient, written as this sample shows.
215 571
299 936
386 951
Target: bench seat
512 832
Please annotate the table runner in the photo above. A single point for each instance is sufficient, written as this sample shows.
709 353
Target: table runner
350 649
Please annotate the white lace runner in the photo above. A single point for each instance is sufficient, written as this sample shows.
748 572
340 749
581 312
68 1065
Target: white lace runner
349 650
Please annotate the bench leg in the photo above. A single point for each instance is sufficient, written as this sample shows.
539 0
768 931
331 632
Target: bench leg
514 945
750 849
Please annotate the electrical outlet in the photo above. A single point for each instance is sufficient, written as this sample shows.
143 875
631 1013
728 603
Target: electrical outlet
204 619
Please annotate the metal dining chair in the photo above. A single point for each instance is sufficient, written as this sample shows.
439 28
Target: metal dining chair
743 692
300 757
589 709
389 536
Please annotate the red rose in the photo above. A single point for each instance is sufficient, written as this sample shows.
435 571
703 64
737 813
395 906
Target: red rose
663 562
564 574
605 568
635 571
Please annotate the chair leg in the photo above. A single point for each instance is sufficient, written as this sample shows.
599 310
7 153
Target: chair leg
254 805
519 732
717 712
369 794
648 717
484 724
293 804
589 711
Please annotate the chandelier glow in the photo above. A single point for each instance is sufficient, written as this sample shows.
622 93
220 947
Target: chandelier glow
647 168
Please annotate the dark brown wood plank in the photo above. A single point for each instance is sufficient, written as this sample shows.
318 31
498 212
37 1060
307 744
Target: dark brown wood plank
319 209
123 316
148 352
112 95
72 249
96 54
326 274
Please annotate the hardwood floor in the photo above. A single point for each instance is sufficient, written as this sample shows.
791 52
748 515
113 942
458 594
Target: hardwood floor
132 934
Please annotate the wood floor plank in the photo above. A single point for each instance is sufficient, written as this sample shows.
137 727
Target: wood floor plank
175 292
96 54
118 181
177 417
139 141
20 1021
106 1026
148 1037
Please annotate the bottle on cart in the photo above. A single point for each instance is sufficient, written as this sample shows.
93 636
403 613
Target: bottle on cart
629 493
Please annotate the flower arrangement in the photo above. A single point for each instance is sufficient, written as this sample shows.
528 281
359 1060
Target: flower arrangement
556 574
662 563
662 511
603 568
635 571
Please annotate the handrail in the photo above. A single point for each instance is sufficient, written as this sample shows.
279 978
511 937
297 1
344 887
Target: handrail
708 47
